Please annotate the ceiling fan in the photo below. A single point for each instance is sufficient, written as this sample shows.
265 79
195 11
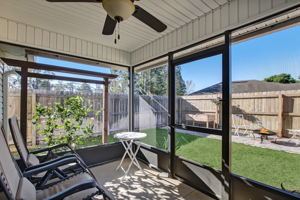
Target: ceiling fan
120 10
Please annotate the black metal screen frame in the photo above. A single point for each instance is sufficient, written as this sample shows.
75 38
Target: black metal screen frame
207 53
224 51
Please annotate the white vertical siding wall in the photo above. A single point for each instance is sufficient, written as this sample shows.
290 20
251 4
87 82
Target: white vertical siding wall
1 91
227 16
27 35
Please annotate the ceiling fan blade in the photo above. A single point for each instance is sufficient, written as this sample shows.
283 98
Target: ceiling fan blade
149 19
84 1
109 26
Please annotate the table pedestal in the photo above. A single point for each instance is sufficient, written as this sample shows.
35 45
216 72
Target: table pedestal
127 144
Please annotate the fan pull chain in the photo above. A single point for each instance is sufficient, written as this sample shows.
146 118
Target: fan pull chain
115 37
119 31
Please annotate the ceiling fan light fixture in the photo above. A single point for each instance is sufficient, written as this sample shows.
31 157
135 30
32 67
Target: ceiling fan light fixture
119 9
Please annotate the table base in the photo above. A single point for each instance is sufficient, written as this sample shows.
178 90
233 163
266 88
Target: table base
127 144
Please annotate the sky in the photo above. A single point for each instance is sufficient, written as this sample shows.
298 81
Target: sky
257 59
254 59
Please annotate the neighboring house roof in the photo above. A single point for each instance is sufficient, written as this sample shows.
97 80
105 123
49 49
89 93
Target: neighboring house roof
250 86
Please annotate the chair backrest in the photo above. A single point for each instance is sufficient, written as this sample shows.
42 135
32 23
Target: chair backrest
238 119
18 139
10 173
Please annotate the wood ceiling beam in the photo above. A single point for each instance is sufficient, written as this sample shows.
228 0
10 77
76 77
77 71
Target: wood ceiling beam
61 78
54 68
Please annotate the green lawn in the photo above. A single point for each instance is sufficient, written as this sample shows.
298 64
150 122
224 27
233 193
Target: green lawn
264 165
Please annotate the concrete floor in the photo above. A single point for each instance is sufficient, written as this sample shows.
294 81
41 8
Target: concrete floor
154 186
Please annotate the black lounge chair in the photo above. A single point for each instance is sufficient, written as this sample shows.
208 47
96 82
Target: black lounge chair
16 186
30 160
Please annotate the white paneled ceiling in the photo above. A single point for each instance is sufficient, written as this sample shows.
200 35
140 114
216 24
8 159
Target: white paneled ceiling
85 20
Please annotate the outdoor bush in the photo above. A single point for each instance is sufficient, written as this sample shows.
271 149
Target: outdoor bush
64 122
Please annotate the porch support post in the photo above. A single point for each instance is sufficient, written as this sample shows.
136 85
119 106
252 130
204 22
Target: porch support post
226 118
131 99
171 113
105 112
23 103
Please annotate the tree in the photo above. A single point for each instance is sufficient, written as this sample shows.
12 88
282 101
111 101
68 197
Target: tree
14 81
59 86
281 78
152 82
189 86
70 86
44 84
155 82
119 85
37 83
158 81
180 84
85 88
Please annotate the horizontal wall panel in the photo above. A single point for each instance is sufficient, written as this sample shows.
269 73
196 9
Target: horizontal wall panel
224 17
27 35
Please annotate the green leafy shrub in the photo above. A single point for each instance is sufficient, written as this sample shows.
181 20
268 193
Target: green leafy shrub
65 122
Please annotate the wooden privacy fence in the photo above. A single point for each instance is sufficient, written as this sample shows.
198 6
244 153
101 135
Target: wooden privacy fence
276 111
118 108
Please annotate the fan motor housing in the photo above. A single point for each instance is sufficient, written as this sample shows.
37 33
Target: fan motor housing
119 9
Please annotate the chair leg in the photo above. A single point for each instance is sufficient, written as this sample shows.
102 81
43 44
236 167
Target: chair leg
252 133
246 131
237 131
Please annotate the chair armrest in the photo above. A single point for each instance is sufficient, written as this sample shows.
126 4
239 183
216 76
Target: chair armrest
50 162
84 185
50 166
47 149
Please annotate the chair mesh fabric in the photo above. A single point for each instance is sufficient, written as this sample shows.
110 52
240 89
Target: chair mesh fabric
41 194
10 174
18 140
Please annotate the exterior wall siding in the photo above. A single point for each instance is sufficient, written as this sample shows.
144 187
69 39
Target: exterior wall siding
1 91
224 17
27 35
227 16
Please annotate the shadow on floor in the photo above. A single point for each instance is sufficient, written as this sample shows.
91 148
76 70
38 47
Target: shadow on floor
154 185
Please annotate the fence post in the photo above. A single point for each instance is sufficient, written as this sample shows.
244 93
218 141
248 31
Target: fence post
281 115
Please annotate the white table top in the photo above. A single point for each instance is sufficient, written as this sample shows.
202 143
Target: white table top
130 135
